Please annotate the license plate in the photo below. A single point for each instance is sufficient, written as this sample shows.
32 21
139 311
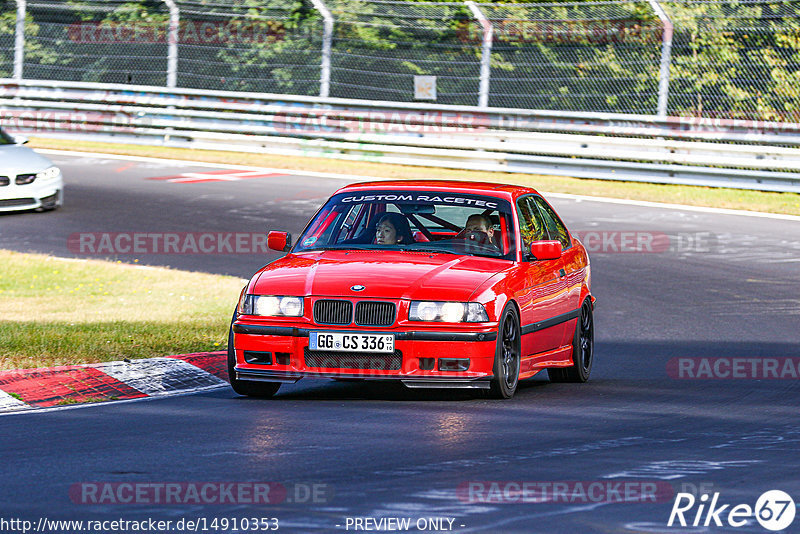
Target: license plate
351 342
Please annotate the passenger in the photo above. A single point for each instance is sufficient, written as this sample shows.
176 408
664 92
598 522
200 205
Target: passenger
393 229
479 223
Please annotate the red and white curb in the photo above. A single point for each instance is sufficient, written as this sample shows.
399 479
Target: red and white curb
74 384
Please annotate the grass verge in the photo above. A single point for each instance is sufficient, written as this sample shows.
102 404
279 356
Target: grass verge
62 312
786 203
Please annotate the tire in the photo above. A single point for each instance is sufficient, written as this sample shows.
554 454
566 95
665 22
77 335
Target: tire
507 355
246 387
582 350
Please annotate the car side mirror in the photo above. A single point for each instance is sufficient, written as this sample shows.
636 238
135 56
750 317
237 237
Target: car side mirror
546 250
280 241
20 139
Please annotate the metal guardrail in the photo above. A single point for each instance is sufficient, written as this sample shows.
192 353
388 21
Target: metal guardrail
707 152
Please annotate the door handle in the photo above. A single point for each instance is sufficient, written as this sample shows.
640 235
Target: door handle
562 274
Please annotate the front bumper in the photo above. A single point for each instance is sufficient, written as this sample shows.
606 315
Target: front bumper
423 358
40 193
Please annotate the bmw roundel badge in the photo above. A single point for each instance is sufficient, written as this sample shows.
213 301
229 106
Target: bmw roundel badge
357 287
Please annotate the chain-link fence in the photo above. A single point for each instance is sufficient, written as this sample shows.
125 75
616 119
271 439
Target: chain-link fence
379 47
107 41
270 47
596 56
726 58
736 59
8 18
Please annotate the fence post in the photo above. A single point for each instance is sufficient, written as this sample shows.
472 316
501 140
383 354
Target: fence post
19 40
666 58
172 43
486 53
327 43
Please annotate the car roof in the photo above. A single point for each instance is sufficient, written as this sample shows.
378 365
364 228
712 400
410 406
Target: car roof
489 188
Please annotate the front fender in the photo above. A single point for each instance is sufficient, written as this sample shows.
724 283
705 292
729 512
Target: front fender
494 294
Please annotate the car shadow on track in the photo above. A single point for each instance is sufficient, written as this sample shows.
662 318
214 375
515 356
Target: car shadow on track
640 371
387 391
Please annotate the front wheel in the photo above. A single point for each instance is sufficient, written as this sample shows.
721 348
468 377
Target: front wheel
245 387
507 356
582 350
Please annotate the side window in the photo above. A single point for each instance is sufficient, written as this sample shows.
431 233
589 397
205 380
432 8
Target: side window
531 225
555 227
361 222
350 218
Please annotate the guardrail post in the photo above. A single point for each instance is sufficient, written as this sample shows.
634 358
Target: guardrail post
19 40
666 58
172 43
486 53
327 43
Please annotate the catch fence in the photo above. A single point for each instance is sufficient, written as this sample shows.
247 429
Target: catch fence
700 58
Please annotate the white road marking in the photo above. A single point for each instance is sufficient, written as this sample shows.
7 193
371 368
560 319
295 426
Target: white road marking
682 207
191 163
672 469
7 402
159 376
122 401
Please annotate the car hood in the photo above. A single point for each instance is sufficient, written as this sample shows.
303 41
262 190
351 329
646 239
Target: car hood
20 159
386 275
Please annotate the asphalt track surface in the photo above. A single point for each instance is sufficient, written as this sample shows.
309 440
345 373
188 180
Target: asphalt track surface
728 287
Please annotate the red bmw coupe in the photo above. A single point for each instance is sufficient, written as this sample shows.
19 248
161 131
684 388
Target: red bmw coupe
437 284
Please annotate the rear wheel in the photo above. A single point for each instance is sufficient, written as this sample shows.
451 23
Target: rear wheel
507 356
245 387
582 350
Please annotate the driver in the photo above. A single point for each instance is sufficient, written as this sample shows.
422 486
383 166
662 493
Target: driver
393 229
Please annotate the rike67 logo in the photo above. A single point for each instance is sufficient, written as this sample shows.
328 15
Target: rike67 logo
774 510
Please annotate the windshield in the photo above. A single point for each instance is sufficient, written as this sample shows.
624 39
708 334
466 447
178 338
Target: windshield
437 222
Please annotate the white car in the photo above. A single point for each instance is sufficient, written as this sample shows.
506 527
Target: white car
27 180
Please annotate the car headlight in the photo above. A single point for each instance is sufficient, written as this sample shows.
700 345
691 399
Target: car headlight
270 306
447 312
50 173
